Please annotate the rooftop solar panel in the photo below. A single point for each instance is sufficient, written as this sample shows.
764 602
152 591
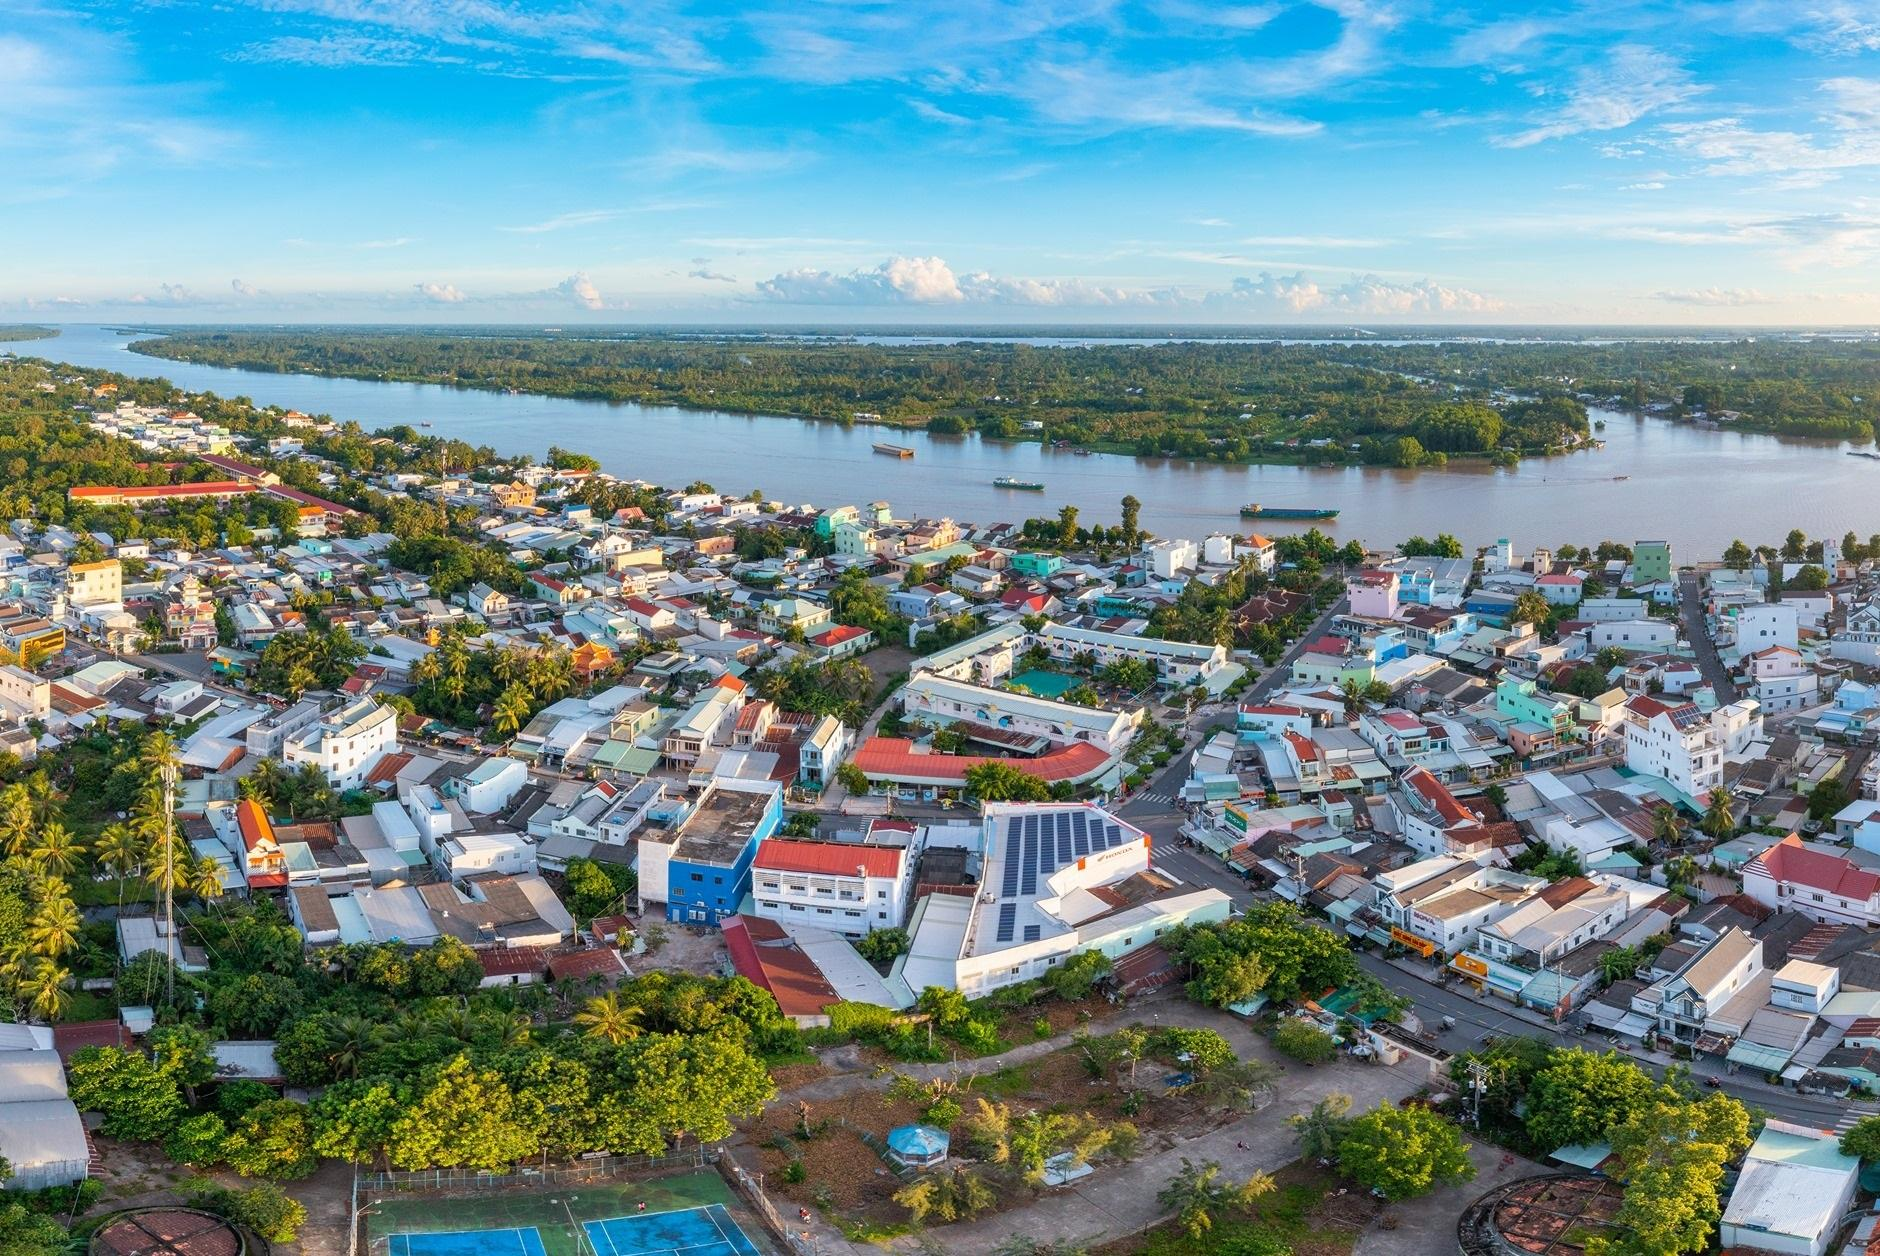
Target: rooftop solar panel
1008 917
1063 840
1031 933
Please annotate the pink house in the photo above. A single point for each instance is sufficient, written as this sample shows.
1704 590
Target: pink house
1373 593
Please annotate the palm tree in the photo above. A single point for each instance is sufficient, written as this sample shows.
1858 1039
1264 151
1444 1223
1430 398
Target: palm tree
118 850
426 669
511 712
1719 821
164 763
1321 1130
1667 825
1197 1191
350 1041
606 1017
203 878
43 796
16 820
55 927
56 851
42 984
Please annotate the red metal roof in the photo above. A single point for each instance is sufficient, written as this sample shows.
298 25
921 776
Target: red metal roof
601 961
895 757
837 635
765 956
210 488
1437 795
1791 862
835 859
511 961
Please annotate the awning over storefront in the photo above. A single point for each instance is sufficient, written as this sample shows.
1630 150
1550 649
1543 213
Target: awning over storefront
1755 1055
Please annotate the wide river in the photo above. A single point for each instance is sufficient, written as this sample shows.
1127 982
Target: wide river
1653 480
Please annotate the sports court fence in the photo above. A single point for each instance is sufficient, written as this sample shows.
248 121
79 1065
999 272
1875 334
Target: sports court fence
573 1174
799 1239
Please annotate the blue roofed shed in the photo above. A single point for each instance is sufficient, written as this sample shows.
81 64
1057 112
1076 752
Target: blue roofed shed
918 1146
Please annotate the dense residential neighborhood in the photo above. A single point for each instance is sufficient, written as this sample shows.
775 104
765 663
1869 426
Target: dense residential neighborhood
590 754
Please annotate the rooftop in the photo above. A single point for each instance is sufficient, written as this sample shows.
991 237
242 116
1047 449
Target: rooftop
721 826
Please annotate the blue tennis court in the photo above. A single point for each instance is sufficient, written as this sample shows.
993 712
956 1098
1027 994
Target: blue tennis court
707 1231
516 1242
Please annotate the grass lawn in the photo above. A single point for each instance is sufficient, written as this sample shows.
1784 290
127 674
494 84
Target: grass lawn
1303 1216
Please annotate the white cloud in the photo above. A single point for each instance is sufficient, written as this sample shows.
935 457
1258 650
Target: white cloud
1370 295
1715 297
582 289
1634 82
1728 146
701 269
1314 242
241 289
561 222
1650 185
441 293
931 281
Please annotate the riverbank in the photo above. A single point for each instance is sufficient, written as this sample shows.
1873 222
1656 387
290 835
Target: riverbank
1697 489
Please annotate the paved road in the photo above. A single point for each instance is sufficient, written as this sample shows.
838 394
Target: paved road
1697 632
1152 808
1478 1019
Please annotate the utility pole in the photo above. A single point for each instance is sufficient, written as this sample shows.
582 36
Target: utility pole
175 951
1478 1080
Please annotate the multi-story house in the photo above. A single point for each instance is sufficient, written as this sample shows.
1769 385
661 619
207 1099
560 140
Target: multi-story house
1438 905
844 887
700 868
1678 742
1819 885
1779 680
1681 1004
346 743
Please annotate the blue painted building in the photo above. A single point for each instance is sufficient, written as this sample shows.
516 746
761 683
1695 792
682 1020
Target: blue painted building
708 859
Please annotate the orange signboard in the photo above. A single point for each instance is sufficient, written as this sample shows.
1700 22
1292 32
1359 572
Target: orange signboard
1404 938
1469 964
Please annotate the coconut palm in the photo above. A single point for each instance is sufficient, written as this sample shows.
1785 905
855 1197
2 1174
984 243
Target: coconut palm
1198 1191
43 985
43 796
16 820
1667 825
511 712
1320 1130
1719 821
350 1042
119 850
203 878
56 850
54 928
426 669
608 1018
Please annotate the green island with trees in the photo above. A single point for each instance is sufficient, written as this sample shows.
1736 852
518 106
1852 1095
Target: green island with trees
1224 402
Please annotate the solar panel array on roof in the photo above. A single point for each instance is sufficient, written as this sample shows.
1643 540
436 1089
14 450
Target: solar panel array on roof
1031 933
1008 916
1009 887
1028 875
1080 837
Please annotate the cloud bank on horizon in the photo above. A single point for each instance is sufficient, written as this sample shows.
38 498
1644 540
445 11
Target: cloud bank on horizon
1140 161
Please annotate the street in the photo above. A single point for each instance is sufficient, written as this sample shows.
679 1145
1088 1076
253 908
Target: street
1697 632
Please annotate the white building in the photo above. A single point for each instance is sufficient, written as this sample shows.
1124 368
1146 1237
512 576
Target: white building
468 854
1037 904
1766 624
1175 662
1446 900
845 887
1633 634
1682 1004
489 786
1859 640
1168 559
1780 681
1821 886
28 695
346 743
1678 742
941 701
1792 1192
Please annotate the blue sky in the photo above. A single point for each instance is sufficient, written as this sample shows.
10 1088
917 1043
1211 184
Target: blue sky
979 161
